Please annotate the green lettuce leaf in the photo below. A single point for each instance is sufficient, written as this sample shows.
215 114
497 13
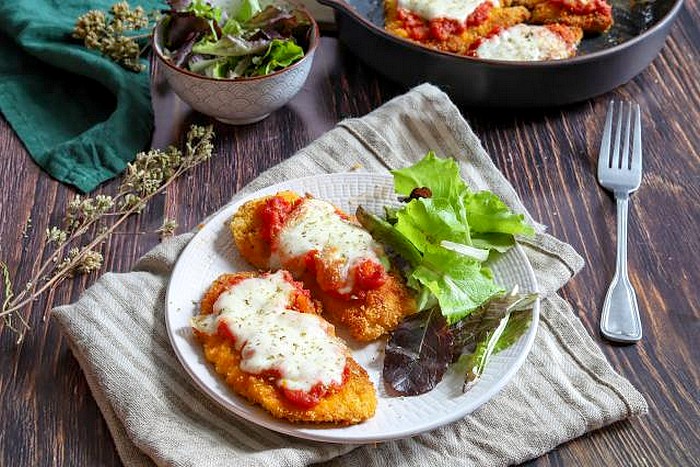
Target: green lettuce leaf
385 233
280 54
247 10
499 242
471 330
205 10
429 221
232 28
455 231
466 250
503 335
219 69
459 283
440 175
230 46
204 66
487 213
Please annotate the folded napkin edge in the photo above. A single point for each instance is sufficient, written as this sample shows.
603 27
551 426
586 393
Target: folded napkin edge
126 447
593 361
552 246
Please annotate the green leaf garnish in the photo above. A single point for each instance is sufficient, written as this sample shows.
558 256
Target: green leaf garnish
460 284
280 54
205 10
247 10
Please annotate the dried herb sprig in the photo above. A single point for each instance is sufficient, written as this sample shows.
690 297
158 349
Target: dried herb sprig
148 175
116 33
167 230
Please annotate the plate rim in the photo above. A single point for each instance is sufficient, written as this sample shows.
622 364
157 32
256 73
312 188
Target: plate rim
317 434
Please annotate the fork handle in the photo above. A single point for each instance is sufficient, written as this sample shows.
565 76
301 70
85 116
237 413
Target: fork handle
620 318
623 201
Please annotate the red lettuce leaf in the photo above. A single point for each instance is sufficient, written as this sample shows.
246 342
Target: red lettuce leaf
184 28
183 54
418 353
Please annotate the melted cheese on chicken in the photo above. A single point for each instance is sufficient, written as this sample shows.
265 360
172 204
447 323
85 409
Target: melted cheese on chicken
527 43
458 10
316 226
272 337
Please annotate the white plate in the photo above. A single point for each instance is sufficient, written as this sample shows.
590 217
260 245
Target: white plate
212 252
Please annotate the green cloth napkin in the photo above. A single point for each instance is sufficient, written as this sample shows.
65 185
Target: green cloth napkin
81 116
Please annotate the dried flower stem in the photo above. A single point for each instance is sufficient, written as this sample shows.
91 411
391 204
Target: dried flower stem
112 33
15 305
149 175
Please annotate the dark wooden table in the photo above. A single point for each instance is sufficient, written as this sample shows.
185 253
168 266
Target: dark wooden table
49 416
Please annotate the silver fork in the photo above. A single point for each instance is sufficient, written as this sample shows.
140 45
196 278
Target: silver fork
620 171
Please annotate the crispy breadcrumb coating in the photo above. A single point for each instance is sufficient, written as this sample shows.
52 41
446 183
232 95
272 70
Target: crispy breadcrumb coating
591 18
351 403
367 318
591 23
459 43
376 314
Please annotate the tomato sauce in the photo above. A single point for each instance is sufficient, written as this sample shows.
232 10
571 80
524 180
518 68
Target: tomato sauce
441 29
309 399
480 15
223 331
579 7
274 213
300 301
369 275
365 275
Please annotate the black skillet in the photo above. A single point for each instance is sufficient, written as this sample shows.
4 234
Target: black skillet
603 63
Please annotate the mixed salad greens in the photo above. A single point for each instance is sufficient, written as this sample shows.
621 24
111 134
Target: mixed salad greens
242 39
441 238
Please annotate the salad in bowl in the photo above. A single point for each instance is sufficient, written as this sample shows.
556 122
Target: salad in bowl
230 40
236 61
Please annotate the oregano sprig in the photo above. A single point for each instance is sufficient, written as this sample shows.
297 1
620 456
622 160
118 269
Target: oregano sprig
89 221
116 33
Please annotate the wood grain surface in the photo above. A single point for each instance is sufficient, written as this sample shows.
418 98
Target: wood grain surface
49 417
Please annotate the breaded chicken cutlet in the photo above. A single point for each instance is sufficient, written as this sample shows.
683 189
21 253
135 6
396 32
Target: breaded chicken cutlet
529 42
461 27
445 36
335 258
592 16
264 335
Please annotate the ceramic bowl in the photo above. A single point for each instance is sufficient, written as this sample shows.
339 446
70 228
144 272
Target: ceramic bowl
237 101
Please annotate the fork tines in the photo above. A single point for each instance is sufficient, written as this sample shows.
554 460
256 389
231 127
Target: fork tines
621 157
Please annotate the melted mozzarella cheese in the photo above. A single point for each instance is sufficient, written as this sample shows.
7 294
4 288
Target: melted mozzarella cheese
525 42
272 337
340 244
458 10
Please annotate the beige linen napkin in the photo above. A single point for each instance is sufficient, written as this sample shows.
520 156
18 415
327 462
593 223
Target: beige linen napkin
156 414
